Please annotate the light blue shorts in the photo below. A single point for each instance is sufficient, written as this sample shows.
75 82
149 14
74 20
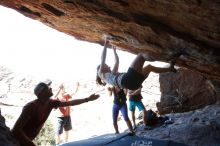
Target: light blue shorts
138 104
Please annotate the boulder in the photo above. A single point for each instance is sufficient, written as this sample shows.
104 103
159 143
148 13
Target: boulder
185 90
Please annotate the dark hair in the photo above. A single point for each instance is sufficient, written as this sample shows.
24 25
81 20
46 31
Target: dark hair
98 79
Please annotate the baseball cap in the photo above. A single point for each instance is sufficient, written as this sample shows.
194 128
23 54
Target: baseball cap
42 86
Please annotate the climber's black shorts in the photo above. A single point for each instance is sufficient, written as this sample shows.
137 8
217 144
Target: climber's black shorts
132 80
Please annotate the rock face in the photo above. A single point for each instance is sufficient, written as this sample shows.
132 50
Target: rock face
196 128
187 29
184 91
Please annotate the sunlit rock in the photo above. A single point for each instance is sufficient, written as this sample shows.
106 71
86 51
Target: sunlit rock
186 30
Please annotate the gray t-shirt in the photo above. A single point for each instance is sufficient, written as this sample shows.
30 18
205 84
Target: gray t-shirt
112 79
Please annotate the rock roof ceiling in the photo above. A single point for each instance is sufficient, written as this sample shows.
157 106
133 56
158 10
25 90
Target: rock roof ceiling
185 29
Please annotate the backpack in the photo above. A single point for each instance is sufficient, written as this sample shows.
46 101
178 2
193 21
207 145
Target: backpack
151 117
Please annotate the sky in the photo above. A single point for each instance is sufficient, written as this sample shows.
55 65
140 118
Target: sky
29 47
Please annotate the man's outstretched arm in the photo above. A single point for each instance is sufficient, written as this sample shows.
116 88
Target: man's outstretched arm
79 101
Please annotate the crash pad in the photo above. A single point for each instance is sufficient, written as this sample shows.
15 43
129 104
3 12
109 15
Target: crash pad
122 139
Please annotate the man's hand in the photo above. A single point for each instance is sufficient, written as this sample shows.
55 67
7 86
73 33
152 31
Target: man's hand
93 97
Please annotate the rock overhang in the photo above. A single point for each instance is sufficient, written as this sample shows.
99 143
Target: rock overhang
186 30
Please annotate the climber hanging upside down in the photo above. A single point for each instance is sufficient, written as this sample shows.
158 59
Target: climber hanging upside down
135 75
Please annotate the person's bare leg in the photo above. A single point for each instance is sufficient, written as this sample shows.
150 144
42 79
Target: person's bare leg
116 128
66 136
57 139
138 63
144 112
149 68
133 118
128 122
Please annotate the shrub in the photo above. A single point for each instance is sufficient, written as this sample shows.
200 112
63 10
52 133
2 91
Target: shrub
8 116
46 135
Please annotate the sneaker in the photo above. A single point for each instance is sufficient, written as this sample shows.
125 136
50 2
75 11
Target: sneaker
131 133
